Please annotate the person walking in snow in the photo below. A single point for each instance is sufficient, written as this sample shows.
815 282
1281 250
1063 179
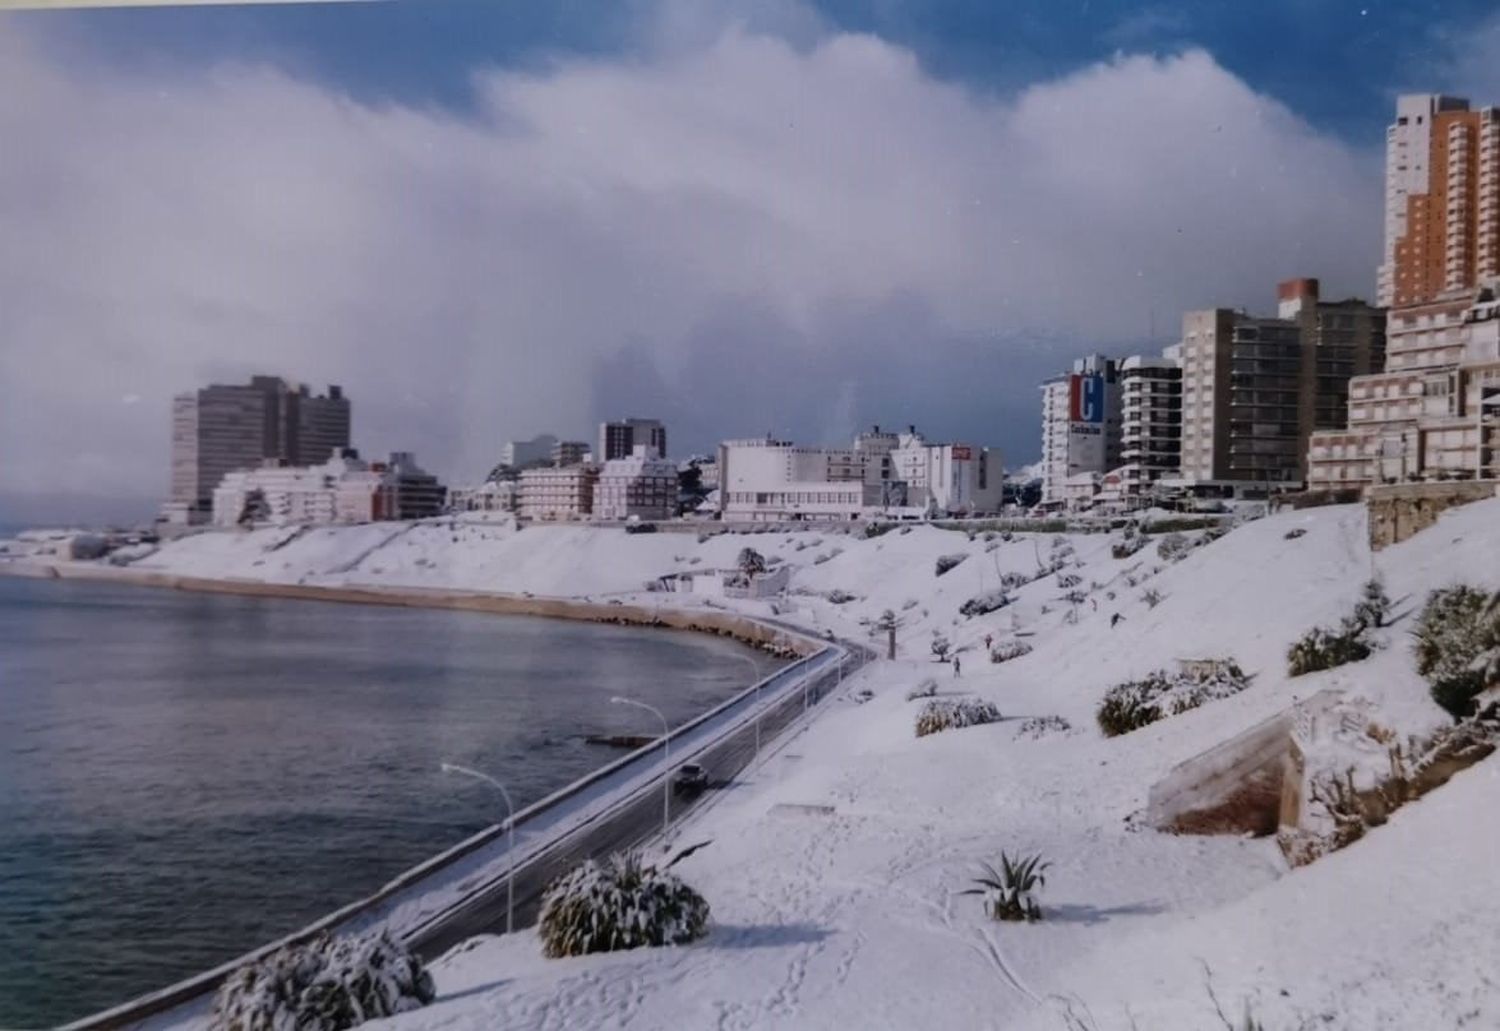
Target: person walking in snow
987 639
1114 620
955 665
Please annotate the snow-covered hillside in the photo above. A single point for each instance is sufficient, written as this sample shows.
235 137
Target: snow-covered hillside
834 865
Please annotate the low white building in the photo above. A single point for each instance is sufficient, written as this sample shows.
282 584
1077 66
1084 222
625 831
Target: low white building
949 479
345 489
563 492
767 480
643 485
490 496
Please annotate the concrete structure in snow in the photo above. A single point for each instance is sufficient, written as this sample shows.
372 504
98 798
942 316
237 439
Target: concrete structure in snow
490 496
345 489
222 428
643 485
570 452
559 492
1150 421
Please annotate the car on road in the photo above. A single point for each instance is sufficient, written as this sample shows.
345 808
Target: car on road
690 779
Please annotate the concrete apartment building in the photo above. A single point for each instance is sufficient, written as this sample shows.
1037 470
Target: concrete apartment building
620 439
1150 421
1255 389
344 489
222 428
559 492
1428 413
643 485
490 496
1080 427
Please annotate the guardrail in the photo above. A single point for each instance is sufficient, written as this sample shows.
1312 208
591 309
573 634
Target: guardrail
379 906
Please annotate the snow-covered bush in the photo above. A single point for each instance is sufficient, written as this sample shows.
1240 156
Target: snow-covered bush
326 984
940 647
1075 597
841 597
751 562
1152 597
941 714
619 903
1014 581
908 604
1458 645
1173 547
1043 726
1137 703
926 689
1321 648
1294 533
877 529
1373 605
947 562
989 601
1132 543
1067 580
1007 650
1010 892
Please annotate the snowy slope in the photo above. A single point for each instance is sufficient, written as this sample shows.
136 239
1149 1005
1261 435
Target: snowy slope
834 864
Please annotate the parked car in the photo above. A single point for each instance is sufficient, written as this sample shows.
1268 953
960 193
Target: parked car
690 779
639 527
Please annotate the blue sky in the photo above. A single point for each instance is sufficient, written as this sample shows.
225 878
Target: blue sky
489 219
1337 63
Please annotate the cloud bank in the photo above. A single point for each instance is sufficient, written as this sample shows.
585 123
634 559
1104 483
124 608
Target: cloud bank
741 235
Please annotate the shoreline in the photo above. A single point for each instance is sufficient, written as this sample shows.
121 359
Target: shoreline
718 622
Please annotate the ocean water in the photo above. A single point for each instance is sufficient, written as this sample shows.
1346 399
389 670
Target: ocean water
185 776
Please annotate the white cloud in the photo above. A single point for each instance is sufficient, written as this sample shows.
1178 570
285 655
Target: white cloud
729 232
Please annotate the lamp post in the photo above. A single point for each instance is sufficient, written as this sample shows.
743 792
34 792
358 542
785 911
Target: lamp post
666 751
510 828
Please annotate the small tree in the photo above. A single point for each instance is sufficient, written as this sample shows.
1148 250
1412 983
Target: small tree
1458 646
751 562
940 647
1010 892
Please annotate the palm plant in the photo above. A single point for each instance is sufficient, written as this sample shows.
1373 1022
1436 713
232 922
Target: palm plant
1009 892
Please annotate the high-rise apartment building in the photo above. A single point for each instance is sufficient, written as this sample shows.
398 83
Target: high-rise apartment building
518 454
1442 199
570 452
620 439
1255 389
1150 419
1080 425
222 428
1425 413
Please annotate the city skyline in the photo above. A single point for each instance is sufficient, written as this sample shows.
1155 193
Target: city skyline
723 301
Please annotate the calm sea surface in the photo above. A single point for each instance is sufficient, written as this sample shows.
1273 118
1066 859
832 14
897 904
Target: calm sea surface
185 776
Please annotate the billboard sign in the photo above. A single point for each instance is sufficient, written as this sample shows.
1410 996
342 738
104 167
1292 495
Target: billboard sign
1086 398
961 453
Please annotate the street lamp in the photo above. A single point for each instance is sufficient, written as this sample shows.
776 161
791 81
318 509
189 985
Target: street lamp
666 755
510 826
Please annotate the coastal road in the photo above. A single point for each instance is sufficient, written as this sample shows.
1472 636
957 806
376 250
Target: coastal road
629 825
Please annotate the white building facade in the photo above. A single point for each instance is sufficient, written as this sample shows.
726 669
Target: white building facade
948 479
1080 425
558 493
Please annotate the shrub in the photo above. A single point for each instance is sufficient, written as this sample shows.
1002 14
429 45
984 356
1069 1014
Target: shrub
1172 547
1320 648
1010 892
947 562
1152 597
1458 646
908 604
1066 580
926 689
751 562
989 601
940 647
878 529
1043 726
1293 534
941 714
1129 546
1373 605
840 597
619 903
1007 650
326 984
1014 581
1137 703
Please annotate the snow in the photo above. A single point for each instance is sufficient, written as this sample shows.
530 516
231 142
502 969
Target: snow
835 863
